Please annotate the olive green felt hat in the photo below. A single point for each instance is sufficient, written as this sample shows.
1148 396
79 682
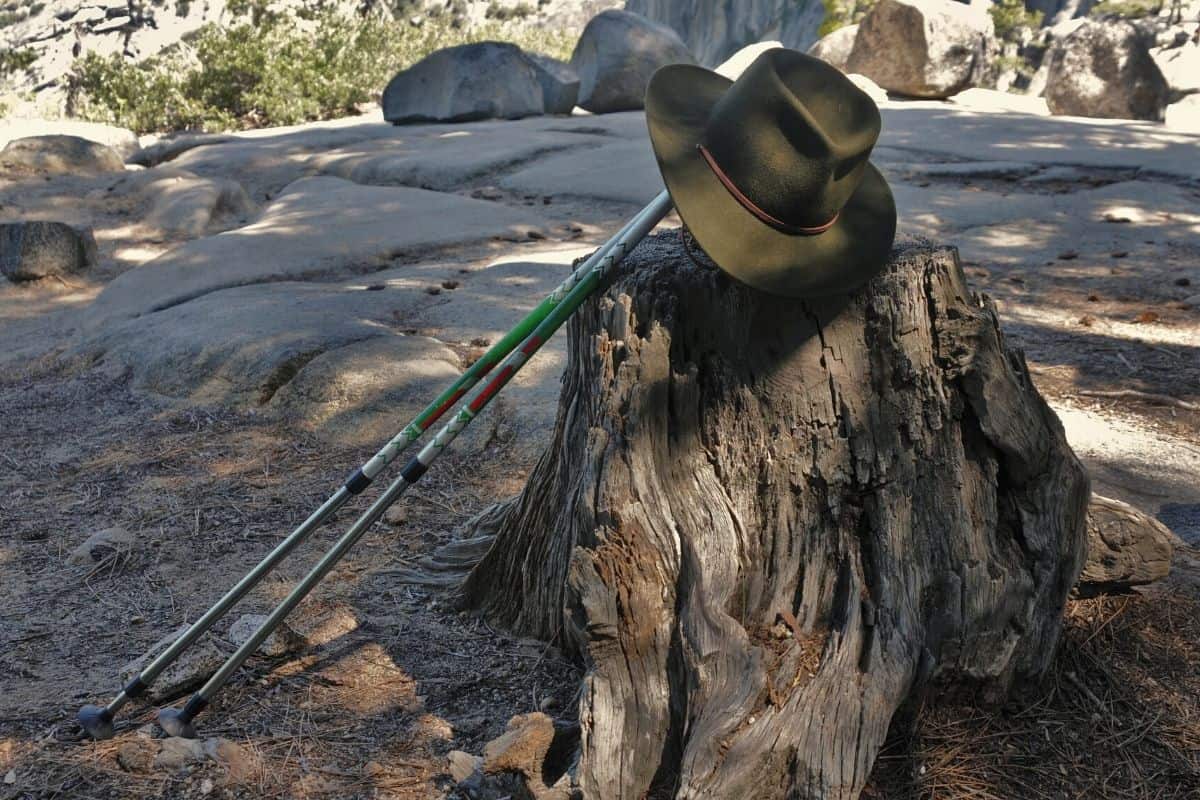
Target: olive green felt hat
770 173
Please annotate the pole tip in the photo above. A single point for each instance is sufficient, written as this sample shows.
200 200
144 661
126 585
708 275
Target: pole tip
96 721
177 722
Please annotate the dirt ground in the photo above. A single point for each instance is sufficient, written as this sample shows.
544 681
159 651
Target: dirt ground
398 679
373 711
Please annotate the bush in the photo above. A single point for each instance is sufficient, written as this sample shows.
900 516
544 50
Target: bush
15 61
1010 16
1126 9
840 13
280 70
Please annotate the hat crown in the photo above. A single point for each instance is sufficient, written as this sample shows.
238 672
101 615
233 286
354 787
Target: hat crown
793 136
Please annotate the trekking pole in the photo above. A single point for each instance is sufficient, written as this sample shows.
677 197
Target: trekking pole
97 721
179 722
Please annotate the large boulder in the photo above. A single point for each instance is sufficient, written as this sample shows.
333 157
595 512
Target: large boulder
714 31
835 47
1180 67
1104 69
560 83
37 249
122 140
61 155
617 54
922 48
467 82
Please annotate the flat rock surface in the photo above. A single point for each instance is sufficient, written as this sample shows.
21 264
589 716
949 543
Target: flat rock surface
623 171
317 226
444 160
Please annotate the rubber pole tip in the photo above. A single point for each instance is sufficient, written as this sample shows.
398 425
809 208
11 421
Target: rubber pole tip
96 721
176 722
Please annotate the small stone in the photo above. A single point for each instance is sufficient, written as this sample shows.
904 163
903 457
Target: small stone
1193 301
1147 317
450 285
435 290
396 515
1067 255
1093 298
1116 218
10 777
536 235
177 753
1087 320
1120 253
101 545
206 786
462 766
1183 282
283 640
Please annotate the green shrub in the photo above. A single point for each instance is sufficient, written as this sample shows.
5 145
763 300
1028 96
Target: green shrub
1010 16
840 13
15 61
278 71
1126 9
501 13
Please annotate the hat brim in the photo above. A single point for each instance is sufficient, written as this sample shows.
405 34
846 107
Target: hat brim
679 101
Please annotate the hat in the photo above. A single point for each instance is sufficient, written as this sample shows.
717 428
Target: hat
770 173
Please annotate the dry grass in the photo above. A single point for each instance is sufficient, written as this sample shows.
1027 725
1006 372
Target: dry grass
1117 717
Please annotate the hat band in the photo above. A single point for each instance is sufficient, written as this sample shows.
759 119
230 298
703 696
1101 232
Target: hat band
750 206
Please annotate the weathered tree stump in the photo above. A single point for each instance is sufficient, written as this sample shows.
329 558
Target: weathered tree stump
764 524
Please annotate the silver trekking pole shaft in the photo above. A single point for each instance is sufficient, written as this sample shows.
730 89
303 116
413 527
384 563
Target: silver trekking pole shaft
179 722
97 721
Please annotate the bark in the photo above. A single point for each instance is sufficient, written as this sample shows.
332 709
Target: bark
764 524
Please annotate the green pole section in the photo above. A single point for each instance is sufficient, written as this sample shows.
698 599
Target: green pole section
178 722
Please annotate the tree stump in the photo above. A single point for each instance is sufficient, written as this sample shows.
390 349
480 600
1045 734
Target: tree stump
764 524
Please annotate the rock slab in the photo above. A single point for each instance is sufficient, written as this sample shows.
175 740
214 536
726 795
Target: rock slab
295 237
922 48
468 82
617 54
1104 69
40 249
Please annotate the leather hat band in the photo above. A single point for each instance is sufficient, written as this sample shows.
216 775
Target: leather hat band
750 206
